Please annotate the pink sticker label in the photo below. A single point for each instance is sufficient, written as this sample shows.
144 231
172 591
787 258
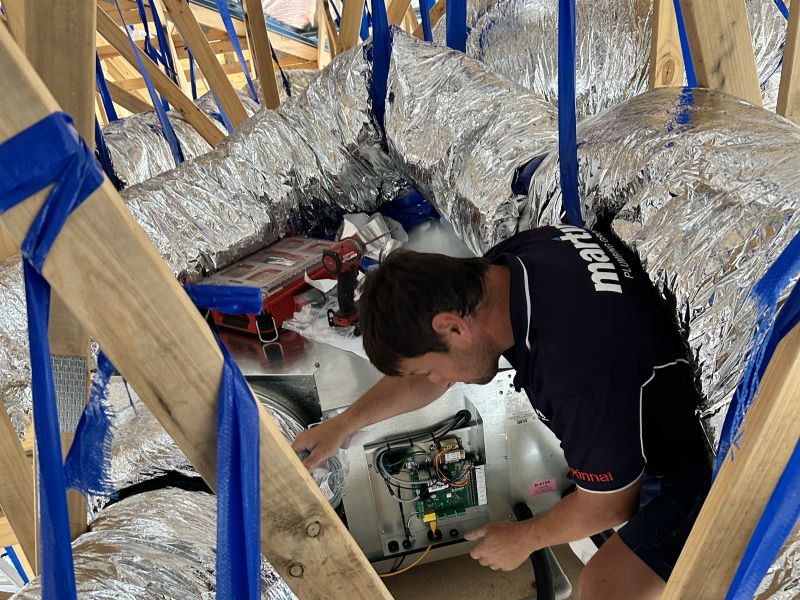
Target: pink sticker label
542 487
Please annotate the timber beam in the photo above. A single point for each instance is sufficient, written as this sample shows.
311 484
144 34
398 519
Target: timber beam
666 57
744 483
789 92
722 47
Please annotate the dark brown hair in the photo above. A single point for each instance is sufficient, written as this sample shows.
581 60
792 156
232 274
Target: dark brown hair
400 297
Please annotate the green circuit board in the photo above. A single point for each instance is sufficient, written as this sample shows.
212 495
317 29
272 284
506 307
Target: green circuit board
450 501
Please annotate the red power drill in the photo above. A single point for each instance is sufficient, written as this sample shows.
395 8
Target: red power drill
342 260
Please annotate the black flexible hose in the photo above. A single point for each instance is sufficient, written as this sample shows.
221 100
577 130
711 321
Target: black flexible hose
542 572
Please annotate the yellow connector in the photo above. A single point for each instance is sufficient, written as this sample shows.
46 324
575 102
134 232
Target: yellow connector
430 518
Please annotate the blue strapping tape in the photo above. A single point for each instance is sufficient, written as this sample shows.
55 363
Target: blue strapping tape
88 464
48 152
225 13
381 55
425 15
166 126
691 78
238 459
456 24
567 126
102 87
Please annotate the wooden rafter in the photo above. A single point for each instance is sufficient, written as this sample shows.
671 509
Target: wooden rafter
352 11
193 115
722 47
666 58
744 484
181 14
258 41
789 93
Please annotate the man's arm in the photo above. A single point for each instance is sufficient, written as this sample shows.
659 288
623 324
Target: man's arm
579 515
389 397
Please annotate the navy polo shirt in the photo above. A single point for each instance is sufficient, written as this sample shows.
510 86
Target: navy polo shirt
600 358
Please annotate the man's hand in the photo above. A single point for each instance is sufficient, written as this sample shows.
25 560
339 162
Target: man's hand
320 442
503 546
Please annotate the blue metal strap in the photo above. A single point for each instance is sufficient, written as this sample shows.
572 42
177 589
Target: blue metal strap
166 126
48 152
691 78
238 459
104 156
567 126
225 13
286 84
456 21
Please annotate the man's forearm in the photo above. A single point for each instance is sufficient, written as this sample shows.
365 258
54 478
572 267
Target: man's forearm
389 397
573 518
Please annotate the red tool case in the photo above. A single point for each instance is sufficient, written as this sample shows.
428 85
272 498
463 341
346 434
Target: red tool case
279 271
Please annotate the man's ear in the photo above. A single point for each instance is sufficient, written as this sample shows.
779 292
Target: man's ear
449 325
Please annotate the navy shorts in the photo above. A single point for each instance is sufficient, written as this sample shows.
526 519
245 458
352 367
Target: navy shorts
669 508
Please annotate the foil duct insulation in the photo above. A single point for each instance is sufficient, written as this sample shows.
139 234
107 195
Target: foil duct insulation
294 169
299 80
518 39
15 369
706 189
139 149
157 544
142 449
708 232
460 133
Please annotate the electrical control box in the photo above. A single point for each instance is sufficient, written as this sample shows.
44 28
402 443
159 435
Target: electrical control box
428 492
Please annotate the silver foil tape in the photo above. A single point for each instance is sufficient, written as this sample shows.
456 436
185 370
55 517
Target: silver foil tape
139 149
518 39
298 168
15 369
159 544
460 133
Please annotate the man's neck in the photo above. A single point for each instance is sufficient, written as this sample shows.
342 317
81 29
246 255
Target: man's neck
497 306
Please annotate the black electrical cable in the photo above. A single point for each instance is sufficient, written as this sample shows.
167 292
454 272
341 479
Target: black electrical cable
542 571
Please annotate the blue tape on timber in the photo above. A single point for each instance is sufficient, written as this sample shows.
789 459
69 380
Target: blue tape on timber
365 23
238 460
48 152
567 134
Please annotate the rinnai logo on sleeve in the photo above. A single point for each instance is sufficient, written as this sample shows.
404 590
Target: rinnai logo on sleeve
597 477
605 276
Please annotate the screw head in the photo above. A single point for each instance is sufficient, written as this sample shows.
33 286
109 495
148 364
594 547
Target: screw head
316 365
296 570
313 529
369 465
